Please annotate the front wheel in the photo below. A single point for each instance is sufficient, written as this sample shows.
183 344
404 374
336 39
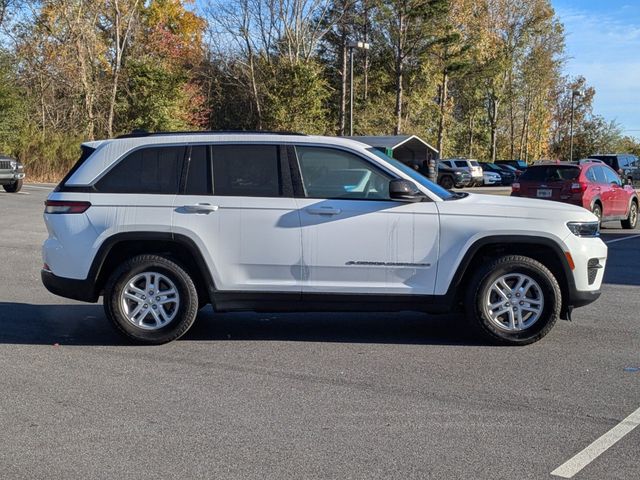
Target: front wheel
514 300
632 220
446 183
14 187
151 299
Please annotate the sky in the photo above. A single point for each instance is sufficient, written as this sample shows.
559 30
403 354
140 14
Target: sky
603 45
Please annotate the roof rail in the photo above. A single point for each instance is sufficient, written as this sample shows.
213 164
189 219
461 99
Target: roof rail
144 133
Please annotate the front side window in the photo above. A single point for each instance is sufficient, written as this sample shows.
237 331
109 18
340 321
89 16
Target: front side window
611 176
147 170
331 173
461 164
246 171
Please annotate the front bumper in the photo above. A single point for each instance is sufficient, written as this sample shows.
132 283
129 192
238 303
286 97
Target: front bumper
83 290
10 176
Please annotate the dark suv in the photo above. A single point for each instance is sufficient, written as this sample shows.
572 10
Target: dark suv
625 165
452 177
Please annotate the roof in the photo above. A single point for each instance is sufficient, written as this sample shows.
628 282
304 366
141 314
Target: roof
391 141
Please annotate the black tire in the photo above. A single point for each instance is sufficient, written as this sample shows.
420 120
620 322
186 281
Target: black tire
479 289
597 211
632 220
186 309
446 182
14 187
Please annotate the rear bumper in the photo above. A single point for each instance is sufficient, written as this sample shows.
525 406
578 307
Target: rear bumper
83 290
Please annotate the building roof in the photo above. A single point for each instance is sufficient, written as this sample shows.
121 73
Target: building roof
390 141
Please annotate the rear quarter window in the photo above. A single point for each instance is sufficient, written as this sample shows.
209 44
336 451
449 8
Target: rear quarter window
154 170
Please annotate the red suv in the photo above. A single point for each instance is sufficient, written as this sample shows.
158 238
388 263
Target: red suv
592 185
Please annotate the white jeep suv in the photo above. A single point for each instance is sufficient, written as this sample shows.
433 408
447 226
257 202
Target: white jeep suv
161 225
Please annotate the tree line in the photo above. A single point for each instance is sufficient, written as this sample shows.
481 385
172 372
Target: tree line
476 78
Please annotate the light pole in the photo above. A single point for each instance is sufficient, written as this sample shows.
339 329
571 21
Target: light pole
351 46
574 94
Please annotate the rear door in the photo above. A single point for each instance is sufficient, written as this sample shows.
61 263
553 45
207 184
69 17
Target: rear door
238 206
355 239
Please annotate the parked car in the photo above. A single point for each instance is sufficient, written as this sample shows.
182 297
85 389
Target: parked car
162 224
491 178
11 174
519 164
507 176
471 166
592 185
511 169
625 165
452 177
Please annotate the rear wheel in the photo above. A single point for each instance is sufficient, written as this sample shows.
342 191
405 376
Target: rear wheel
151 299
514 300
632 220
597 211
13 187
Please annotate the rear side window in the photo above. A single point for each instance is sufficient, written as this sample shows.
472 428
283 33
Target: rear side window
246 170
550 173
148 170
599 173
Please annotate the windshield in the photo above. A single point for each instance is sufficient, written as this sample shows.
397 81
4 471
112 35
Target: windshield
415 176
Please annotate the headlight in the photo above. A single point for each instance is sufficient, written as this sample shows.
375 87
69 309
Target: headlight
584 229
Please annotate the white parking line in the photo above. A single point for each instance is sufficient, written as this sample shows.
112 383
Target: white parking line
597 448
621 239
39 187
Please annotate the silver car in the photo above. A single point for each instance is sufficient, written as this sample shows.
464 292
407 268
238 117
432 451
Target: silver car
11 174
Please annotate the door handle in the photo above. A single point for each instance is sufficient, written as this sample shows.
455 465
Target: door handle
323 211
200 208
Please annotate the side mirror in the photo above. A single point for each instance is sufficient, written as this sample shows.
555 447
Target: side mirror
404 191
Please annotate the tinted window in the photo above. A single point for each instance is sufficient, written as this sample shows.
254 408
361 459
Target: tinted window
600 176
148 170
610 160
591 175
461 164
550 173
330 173
246 171
199 172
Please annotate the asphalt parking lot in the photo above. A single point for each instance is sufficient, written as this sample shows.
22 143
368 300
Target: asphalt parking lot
344 396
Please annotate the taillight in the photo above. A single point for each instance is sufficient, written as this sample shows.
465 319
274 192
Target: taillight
578 187
515 187
65 206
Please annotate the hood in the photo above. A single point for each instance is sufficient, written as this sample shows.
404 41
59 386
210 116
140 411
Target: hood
481 205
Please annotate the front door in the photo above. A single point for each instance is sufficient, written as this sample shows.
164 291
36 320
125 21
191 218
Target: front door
355 239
